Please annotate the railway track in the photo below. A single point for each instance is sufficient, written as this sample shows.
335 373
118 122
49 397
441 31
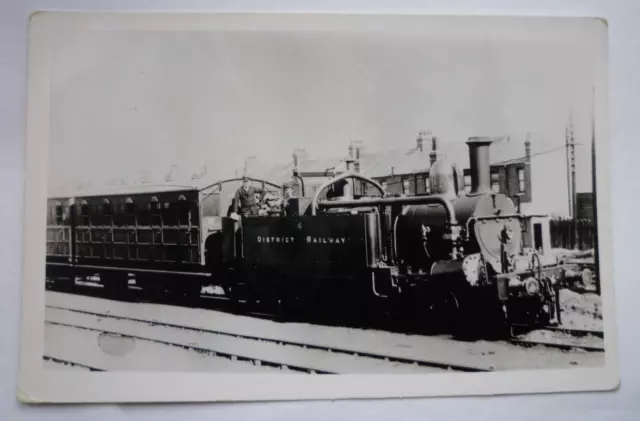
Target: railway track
202 350
565 345
61 361
570 331
317 358
576 332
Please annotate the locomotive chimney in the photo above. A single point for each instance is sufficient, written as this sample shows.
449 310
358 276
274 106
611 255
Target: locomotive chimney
479 164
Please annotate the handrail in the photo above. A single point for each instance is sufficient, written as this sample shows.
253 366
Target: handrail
348 174
296 175
240 179
411 200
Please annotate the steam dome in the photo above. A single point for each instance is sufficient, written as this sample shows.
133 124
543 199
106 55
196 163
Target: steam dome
447 179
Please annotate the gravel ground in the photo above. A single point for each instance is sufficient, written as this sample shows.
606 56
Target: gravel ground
581 310
484 354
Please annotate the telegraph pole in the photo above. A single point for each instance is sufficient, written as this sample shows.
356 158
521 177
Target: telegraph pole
572 153
566 140
595 197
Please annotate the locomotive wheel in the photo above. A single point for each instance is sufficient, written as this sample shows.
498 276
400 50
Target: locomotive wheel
185 290
445 312
231 291
62 284
115 284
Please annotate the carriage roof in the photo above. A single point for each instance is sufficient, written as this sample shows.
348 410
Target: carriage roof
156 189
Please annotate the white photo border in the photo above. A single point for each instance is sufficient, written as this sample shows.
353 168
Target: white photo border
39 385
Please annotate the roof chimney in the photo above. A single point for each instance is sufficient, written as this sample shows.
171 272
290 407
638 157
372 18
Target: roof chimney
479 164
349 163
295 159
433 155
420 140
350 154
527 147
298 154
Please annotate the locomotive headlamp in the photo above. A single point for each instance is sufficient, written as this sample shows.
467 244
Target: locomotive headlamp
587 276
531 286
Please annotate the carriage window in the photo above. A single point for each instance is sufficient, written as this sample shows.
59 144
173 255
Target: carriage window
84 208
59 213
427 185
154 206
521 184
106 207
130 206
495 182
84 213
184 211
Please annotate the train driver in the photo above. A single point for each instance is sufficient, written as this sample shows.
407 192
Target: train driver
246 200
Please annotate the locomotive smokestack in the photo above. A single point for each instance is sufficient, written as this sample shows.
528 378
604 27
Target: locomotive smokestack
479 164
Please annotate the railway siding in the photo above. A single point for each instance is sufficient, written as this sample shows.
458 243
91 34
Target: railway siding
270 353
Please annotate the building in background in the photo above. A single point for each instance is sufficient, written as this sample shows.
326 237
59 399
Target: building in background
409 168
585 205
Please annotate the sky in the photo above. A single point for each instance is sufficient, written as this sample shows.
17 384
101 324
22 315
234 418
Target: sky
127 102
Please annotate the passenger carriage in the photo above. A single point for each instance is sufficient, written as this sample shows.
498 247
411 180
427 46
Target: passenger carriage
154 235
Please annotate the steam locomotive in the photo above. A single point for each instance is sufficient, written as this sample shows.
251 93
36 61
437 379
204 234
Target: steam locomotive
451 257
446 255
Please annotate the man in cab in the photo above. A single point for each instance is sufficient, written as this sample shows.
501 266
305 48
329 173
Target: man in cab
246 201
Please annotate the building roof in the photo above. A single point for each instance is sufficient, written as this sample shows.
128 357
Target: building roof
397 160
410 160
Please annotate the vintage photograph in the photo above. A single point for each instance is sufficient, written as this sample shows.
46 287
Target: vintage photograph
325 196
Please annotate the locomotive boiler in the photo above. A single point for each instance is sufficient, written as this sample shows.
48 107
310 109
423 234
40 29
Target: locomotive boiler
447 255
